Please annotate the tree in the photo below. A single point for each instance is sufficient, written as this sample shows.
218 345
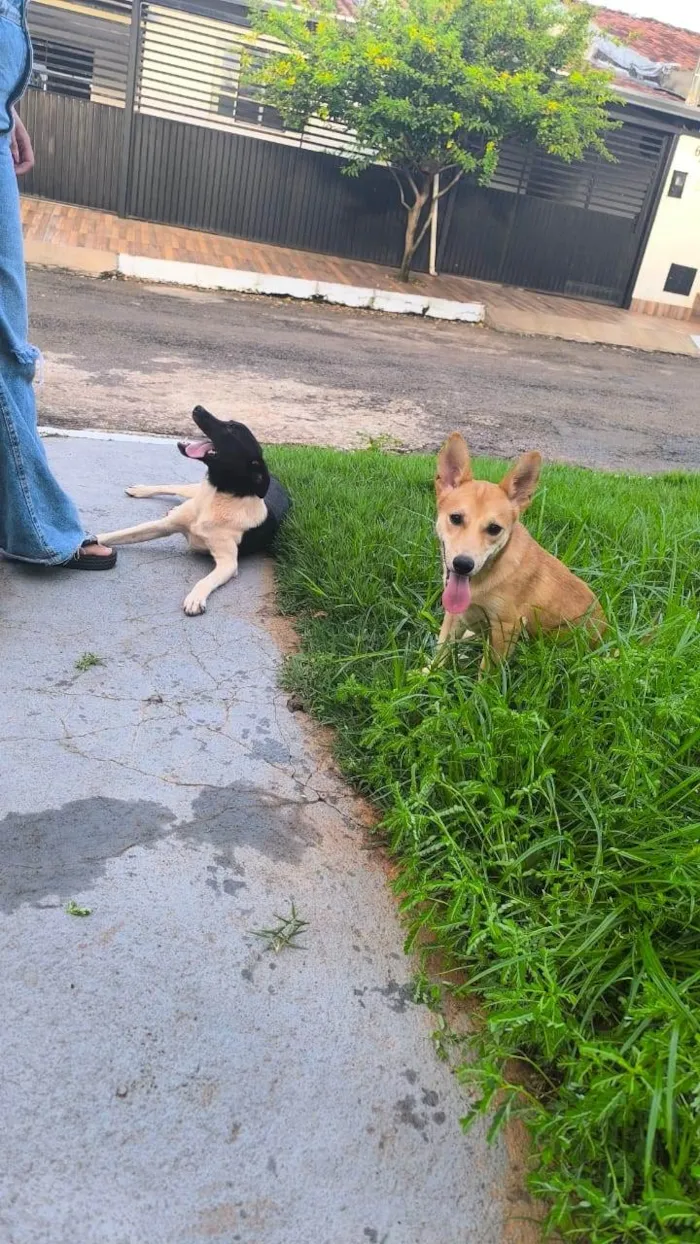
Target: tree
434 87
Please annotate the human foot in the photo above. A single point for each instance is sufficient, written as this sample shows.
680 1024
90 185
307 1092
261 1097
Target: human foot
92 556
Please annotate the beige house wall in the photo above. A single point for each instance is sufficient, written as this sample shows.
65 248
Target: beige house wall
674 238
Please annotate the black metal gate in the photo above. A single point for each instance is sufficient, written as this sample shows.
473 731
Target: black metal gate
573 229
142 109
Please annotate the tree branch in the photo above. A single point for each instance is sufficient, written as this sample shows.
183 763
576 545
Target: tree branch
414 187
398 182
450 184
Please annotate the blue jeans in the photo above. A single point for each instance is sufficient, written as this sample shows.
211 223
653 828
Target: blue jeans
38 521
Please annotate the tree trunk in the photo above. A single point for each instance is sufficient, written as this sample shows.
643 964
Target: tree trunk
410 245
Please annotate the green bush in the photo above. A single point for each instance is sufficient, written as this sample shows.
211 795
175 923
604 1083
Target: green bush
545 817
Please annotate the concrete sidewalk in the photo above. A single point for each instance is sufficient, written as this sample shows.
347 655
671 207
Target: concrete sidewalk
166 1078
89 241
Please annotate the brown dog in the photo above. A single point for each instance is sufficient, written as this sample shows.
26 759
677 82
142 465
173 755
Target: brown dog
496 575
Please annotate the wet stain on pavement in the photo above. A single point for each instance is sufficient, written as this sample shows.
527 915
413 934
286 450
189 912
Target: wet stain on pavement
398 996
63 851
408 1114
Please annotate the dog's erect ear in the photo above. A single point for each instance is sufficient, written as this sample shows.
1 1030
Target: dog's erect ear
521 481
453 465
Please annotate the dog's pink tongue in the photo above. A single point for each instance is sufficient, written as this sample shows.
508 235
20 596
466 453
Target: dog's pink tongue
457 595
197 449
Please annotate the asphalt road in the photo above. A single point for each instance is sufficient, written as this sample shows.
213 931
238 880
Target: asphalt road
123 355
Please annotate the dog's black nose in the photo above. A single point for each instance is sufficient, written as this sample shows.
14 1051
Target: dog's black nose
463 565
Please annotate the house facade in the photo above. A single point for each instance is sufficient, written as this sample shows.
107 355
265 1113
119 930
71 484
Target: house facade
660 64
669 275
144 109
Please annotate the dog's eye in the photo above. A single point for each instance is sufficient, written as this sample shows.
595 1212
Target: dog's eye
494 529
457 519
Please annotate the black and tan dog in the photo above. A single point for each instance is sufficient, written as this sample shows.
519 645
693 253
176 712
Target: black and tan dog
236 510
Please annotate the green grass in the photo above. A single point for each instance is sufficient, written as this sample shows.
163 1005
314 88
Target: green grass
545 817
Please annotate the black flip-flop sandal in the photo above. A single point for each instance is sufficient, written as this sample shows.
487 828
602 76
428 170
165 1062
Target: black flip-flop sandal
90 561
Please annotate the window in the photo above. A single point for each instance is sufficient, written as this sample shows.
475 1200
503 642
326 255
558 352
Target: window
229 85
680 279
242 101
63 69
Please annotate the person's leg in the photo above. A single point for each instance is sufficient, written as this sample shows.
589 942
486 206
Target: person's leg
38 521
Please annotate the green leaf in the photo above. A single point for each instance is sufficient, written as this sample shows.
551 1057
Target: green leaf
73 909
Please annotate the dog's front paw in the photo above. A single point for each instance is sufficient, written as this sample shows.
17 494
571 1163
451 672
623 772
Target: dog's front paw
194 604
136 490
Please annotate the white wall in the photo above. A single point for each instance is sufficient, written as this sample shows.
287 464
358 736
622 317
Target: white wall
675 234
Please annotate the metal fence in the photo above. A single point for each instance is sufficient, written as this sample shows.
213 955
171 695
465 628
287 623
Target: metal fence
145 109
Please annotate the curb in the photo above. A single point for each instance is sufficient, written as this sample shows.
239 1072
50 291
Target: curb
72 258
48 432
98 263
205 276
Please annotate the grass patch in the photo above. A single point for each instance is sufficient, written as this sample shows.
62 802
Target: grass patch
545 817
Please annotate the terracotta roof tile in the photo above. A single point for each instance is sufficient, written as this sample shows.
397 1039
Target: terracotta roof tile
651 38
654 39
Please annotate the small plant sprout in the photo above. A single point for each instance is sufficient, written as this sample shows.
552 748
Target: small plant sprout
87 661
74 909
285 932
